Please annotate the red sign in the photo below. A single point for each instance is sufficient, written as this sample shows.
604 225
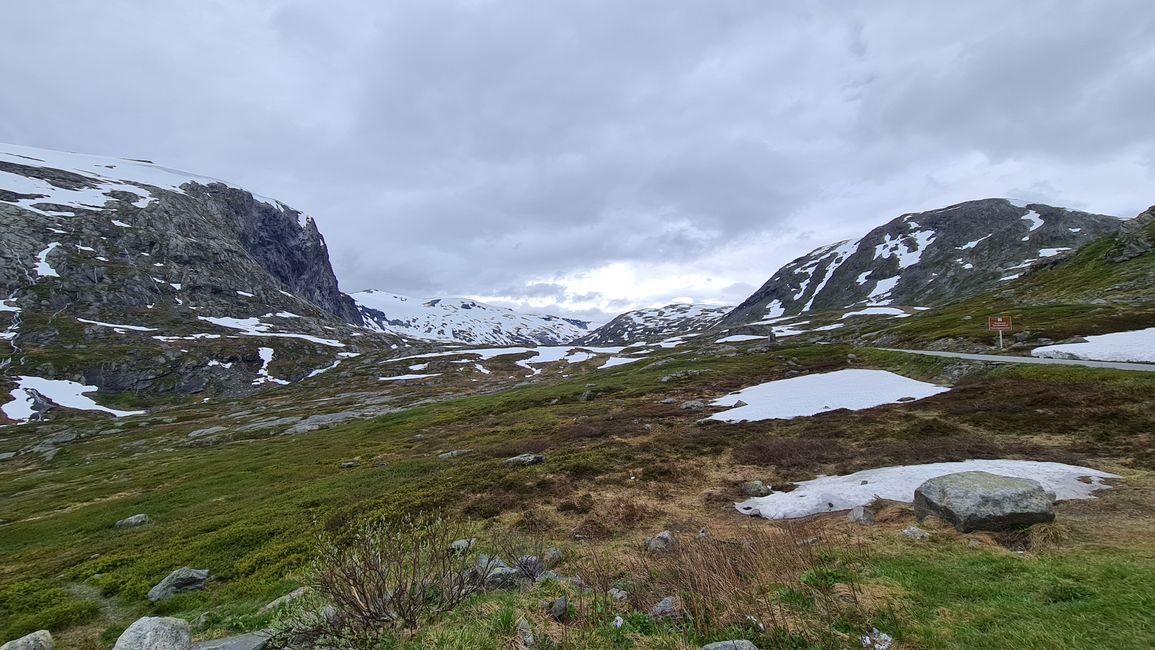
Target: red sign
999 323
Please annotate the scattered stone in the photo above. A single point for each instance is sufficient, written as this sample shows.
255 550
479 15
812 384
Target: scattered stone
155 633
525 633
915 533
462 546
531 565
40 640
669 400
203 433
703 533
454 454
587 395
984 501
504 578
860 515
350 465
693 405
553 557
877 640
183 579
252 641
755 489
134 521
666 608
525 459
618 595
905 399
284 600
618 622
558 609
7 455
739 404
738 644
682 374
792 373
661 542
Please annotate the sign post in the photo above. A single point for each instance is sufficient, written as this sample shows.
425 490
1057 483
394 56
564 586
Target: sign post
999 324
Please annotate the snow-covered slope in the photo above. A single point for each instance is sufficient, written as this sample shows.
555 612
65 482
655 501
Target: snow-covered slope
462 320
655 323
919 259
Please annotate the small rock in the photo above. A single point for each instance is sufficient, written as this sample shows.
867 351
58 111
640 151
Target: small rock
666 608
738 644
587 395
40 640
618 595
661 542
618 622
525 459
860 515
739 404
252 641
462 546
669 400
693 405
915 533
852 357
553 557
349 465
453 454
274 605
134 521
531 565
558 609
525 633
703 533
505 578
755 489
183 579
905 399
155 633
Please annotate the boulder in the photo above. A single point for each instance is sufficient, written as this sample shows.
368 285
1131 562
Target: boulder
693 405
984 501
183 579
253 641
156 633
666 608
915 533
558 609
525 633
531 565
40 640
739 644
860 515
274 605
525 459
661 542
755 489
505 578
134 521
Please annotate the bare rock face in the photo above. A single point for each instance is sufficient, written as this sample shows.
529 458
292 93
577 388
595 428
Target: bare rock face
156 633
983 501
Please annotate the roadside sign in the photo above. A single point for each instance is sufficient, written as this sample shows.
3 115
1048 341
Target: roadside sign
999 323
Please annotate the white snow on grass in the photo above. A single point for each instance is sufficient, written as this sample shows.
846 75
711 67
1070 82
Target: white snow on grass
834 493
1007 278
1051 252
811 394
738 338
254 327
1137 346
613 362
877 311
407 377
1036 221
119 329
43 268
68 394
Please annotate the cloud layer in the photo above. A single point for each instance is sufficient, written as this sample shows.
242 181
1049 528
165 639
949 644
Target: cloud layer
596 156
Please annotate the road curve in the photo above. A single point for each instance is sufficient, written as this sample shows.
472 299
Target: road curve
996 358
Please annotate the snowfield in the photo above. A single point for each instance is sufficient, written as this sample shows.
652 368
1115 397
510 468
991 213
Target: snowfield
1138 346
61 392
834 493
811 394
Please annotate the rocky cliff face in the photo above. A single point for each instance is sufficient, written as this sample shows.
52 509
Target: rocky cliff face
133 277
921 259
654 324
462 320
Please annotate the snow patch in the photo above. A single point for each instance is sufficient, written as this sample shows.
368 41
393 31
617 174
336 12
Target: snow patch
407 377
43 268
68 394
119 329
738 338
877 311
1138 346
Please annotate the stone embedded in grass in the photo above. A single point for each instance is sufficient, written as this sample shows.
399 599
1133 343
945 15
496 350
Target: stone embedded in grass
666 608
860 515
284 600
462 546
553 557
618 595
183 579
251 641
737 644
40 640
558 609
454 454
134 521
693 405
915 533
350 465
984 501
755 489
525 459
156 633
525 633
661 542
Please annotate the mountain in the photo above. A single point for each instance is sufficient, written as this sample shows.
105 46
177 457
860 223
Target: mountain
462 320
925 258
655 323
133 277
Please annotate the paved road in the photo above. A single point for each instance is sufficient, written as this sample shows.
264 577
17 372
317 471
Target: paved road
1115 365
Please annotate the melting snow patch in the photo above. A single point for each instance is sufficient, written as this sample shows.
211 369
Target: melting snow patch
619 361
1006 278
119 329
254 327
407 377
61 392
1036 221
120 224
972 244
807 395
263 375
738 338
1051 252
43 268
246 294
1121 346
774 309
877 311
833 493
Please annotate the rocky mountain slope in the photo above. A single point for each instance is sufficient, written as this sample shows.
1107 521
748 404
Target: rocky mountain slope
925 258
132 277
655 323
461 320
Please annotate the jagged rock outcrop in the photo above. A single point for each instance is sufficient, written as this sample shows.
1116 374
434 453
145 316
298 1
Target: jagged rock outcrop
655 324
921 259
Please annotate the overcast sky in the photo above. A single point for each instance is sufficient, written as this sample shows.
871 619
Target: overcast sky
589 157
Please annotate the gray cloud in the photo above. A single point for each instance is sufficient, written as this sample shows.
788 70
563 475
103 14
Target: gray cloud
524 150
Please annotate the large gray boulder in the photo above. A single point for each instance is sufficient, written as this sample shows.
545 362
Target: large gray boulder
156 633
984 501
183 579
40 640
252 641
